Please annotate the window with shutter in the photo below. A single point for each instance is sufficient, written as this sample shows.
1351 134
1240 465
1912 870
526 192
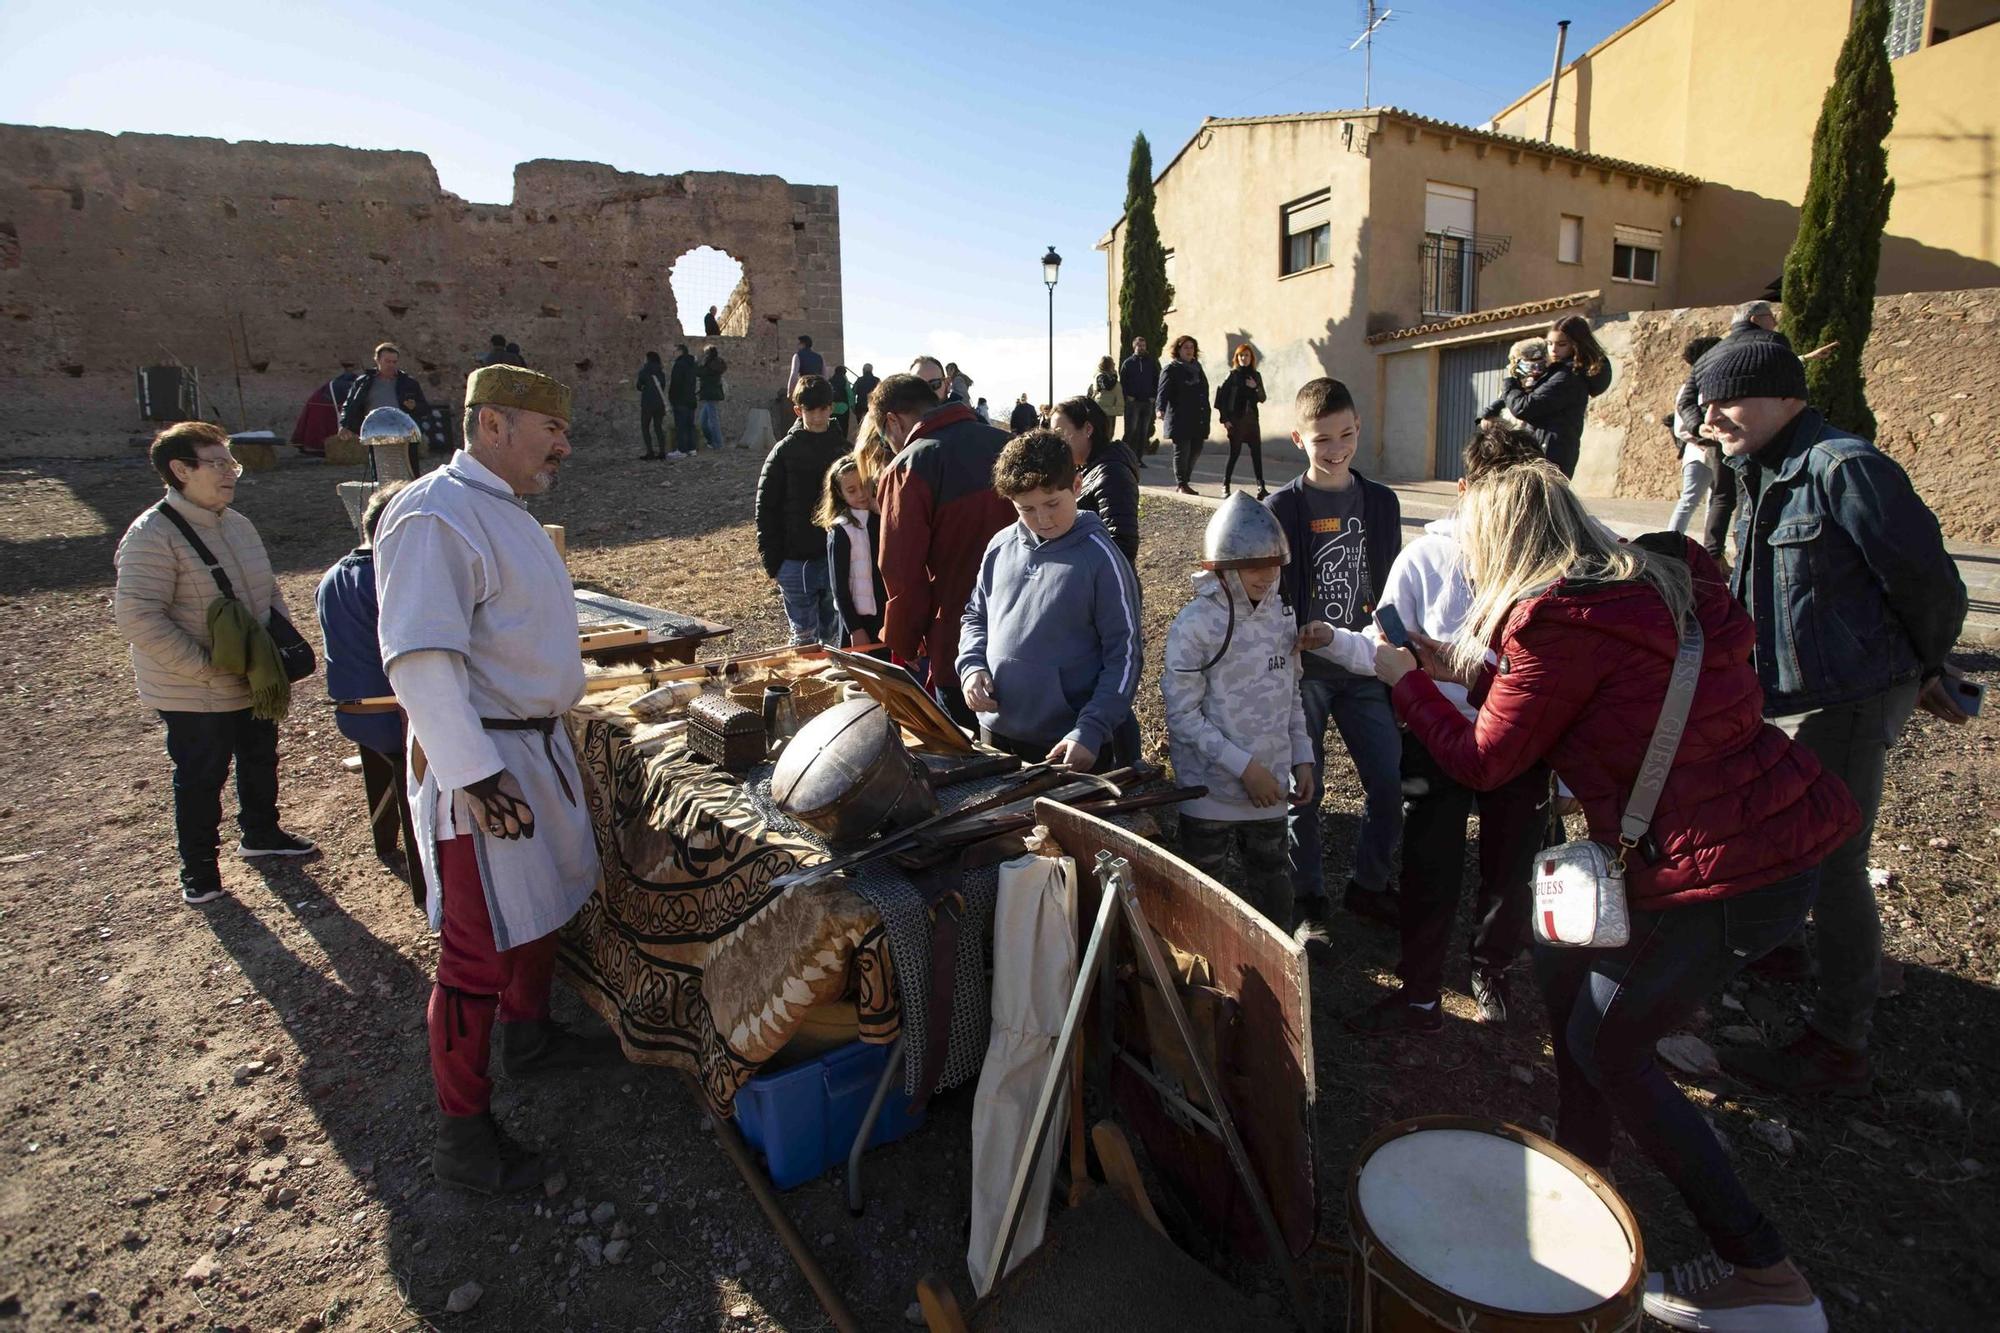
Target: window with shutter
1308 233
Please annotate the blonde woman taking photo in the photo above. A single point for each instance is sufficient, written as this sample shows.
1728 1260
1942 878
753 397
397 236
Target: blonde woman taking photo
1568 649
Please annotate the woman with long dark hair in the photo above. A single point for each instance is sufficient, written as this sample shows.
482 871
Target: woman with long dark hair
1584 633
1236 403
1110 473
1182 400
1552 402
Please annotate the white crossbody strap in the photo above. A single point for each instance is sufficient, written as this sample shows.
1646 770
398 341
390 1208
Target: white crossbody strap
1666 740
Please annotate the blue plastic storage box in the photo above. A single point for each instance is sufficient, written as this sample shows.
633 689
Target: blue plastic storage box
804 1119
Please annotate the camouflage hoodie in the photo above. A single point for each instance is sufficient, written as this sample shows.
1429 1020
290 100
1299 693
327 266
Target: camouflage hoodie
1245 706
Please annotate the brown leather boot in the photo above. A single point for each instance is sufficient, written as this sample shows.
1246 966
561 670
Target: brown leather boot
531 1047
474 1154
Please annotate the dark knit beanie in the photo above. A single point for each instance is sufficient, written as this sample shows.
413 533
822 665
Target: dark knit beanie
1749 368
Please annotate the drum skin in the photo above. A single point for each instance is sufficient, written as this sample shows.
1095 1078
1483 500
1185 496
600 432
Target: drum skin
1387 1295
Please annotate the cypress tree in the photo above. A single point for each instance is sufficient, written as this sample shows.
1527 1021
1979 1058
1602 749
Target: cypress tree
1829 284
1143 294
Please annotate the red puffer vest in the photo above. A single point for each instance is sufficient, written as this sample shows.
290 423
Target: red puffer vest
1582 671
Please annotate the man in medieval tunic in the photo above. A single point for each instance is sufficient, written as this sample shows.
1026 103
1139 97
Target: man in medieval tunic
478 628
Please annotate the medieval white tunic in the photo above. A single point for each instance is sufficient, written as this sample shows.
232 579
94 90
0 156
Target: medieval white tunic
478 622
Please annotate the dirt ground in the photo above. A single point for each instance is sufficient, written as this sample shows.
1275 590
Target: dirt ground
220 1118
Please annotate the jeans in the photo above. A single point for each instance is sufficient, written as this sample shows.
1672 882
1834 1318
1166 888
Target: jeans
1851 741
1512 819
653 428
711 423
1359 706
1186 454
683 429
1607 1008
809 601
201 746
1695 480
1139 425
1721 509
1266 883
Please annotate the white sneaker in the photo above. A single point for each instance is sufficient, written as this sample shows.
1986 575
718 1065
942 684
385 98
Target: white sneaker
1710 1296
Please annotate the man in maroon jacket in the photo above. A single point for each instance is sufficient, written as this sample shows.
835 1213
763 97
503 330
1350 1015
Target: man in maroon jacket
939 509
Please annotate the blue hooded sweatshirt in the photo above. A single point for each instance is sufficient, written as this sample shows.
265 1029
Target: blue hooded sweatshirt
1056 624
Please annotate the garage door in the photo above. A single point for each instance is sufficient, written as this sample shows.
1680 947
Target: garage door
1468 380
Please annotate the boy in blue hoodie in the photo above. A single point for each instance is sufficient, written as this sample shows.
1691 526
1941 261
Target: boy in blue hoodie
1049 650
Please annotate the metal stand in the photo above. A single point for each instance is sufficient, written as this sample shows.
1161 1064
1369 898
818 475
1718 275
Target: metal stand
890 1071
1114 878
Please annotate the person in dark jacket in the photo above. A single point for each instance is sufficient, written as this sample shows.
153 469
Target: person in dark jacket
853 536
385 386
1139 379
652 387
939 509
1856 603
1022 418
711 327
682 384
1552 403
1585 632
864 388
1236 404
500 352
348 619
1344 531
843 401
805 361
1695 453
1110 490
789 540
1182 401
710 391
1110 472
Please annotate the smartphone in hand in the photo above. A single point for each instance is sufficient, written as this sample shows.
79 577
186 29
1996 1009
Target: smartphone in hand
1390 622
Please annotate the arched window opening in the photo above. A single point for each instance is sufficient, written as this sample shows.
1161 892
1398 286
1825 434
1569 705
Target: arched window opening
706 278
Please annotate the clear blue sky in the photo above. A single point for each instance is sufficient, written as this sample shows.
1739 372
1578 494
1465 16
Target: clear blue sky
964 139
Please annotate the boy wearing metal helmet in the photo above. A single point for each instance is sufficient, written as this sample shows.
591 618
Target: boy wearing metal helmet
1235 723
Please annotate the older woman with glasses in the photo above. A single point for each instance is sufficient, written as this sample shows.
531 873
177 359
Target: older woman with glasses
164 590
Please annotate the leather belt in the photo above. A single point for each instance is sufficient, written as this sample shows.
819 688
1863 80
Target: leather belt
545 725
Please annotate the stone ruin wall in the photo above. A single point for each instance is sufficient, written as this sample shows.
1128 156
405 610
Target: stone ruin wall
1932 364
120 251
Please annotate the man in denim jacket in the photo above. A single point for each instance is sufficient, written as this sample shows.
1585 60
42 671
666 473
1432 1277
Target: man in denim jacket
1856 601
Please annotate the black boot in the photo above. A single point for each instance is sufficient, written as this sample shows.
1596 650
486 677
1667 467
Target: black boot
473 1153
538 1046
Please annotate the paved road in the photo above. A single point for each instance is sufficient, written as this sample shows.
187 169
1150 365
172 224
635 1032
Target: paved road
1423 501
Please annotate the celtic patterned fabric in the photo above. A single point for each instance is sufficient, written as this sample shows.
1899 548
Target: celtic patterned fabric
685 949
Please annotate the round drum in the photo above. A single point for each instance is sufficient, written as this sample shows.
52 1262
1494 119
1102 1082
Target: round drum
1469 1224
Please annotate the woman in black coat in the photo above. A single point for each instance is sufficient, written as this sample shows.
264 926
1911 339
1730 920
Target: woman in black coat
1552 404
1110 472
1182 402
1236 403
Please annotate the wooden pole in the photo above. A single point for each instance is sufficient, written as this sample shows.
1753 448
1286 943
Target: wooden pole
560 538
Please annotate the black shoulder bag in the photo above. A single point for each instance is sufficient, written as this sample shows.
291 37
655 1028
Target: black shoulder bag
294 653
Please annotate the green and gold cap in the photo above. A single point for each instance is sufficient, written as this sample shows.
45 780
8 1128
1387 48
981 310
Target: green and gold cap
515 386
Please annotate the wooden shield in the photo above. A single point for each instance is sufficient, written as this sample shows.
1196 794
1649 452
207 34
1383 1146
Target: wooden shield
1266 1056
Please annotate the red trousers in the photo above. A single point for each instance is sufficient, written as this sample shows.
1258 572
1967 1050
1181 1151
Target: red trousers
476 981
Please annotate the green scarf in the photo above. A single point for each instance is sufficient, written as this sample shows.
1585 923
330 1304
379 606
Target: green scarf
245 648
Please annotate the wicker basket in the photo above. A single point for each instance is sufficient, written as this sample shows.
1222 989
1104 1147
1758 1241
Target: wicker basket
810 696
345 449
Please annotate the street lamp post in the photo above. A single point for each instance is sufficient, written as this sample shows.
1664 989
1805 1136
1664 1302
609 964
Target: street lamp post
1051 269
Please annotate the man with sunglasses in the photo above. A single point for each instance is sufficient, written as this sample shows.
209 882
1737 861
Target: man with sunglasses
164 591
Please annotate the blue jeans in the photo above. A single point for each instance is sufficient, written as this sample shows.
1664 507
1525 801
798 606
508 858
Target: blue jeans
1359 706
683 429
1607 1008
809 602
711 423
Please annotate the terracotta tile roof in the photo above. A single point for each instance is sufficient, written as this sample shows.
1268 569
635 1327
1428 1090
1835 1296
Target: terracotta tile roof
1468 132
1498 315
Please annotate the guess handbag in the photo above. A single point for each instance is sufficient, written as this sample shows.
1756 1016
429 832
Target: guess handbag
1580 898
295 655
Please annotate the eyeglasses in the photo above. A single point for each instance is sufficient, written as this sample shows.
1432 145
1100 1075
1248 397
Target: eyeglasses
936 384
229 465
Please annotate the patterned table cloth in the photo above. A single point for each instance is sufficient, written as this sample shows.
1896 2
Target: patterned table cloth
686 950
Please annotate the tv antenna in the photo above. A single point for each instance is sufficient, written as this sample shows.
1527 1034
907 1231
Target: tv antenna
1367 42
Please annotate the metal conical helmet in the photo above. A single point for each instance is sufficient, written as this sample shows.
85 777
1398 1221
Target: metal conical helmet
1243 534
387 426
